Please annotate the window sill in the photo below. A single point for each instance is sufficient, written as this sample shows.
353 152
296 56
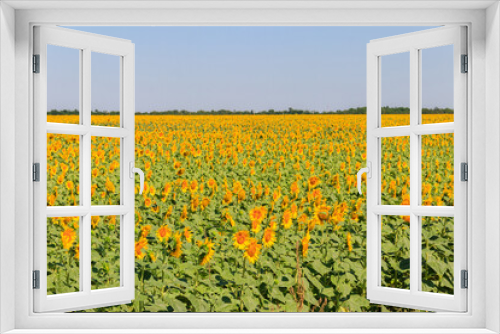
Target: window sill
250 331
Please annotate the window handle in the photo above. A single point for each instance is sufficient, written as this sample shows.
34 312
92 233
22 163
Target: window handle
368 171
134 170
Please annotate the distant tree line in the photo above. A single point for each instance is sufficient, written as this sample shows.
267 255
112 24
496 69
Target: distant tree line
289 111
76 112
406 110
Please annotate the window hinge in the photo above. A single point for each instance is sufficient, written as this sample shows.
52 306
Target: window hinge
36 172
36 63
465 279
36 279
465 64
464 172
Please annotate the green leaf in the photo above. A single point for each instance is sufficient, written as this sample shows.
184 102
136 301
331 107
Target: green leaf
437 266
277 294
250 302
309 297
178 305
319 267
345 289
199 304
314 281
286 281
329 292
356 303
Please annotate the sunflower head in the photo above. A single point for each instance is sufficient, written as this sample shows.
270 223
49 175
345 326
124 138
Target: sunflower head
206 251
287 219
322 212
269 237
349 242
177 246
139 246
188 234
305 244
252 251
313 182
241 239
258 214
255 226
406 199
212 184
163 233
193 186
68 237
228 198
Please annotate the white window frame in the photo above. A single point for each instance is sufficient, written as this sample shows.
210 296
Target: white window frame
413 44
86 44
483 101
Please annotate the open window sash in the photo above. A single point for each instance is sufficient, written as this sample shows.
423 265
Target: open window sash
85 297
414 43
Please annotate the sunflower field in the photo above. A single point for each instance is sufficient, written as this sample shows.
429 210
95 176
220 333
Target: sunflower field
250 213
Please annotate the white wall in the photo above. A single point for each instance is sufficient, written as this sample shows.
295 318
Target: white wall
7 160
493 163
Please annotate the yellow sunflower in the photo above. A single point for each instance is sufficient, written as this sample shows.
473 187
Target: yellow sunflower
163 233
305 244
178 246
212 184
258 214
68 237
241 239
269 237
187 234
313 182
184 213
349 242
145 230
252 251
228 198
322 212
255 226
207 251
94 221
139 246
287 219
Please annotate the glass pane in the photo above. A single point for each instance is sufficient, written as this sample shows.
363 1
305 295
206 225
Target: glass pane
63 170
105 252
105 188
106 93
63 255
395 89
437 84
438 170
437 254
63 85
395 164
395 249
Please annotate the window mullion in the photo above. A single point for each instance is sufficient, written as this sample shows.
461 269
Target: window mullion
101 131
66 129
414 170
433 129
109 210
66 211
85 170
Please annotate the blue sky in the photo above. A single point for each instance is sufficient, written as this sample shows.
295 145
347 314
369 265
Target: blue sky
250 68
